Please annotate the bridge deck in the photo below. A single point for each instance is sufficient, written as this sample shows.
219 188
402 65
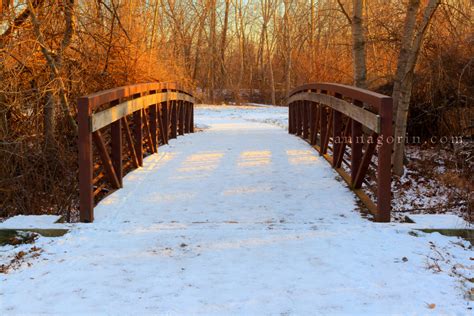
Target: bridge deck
242 218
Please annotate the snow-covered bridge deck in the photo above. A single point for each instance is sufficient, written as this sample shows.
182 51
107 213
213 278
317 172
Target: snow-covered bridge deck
242 218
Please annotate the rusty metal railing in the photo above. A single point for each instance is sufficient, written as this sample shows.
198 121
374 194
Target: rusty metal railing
158 111
352 129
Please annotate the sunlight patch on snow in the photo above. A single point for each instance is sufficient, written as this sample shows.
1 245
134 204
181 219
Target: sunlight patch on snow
170 197
160 160
247 190
206 161
205 156
298 157
187 177
230 126
152 162
110 200
198 167
255 158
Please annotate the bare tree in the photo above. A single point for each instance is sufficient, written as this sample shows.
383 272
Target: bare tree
288 50
410 48
54 62
224 40
212 48
358 42
267 10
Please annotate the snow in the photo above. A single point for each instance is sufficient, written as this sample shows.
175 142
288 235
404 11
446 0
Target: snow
431 184
32 221
439 221
242 218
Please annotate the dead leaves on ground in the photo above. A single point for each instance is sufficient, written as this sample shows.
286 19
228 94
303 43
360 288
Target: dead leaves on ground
20 258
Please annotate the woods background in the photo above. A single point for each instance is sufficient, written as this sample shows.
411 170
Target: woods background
52 52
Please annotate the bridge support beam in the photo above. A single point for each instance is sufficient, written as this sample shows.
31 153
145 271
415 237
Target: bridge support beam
165 106
384 165
138 134
86 196
181 112
154 125
116 144
174 120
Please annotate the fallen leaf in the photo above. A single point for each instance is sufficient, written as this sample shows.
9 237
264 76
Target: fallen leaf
431 306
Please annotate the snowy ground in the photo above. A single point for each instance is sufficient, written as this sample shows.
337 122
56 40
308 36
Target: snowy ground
433 183
242 218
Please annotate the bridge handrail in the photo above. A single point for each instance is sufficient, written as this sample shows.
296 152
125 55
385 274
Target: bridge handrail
102 97
324 113
160 111
363 95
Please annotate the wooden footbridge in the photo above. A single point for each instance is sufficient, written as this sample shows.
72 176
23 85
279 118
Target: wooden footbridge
350 127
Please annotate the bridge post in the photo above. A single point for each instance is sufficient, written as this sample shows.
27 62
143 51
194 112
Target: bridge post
86 196
298 118
294 108
174 120
181 122
186 116
323 119
290 119
165 116
116 144
138 133
356 145
304 105
336 133
311 121
295 116
154 125
384 167
161 127
189 119
302 122
192 118
314 133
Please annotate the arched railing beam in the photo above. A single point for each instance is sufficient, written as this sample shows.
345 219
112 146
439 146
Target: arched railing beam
366 118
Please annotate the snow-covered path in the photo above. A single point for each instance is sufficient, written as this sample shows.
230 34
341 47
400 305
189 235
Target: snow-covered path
240 219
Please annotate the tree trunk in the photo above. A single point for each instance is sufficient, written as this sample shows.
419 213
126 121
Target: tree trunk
239 24
411 44
288 44
311 37
270 69
410 21
56 63
224 41
358 42
212 48
197 53
49 119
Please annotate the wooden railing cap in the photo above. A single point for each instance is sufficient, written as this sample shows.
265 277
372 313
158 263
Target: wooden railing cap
363 95
94 100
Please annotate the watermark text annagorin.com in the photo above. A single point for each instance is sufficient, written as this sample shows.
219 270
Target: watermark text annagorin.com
409 140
